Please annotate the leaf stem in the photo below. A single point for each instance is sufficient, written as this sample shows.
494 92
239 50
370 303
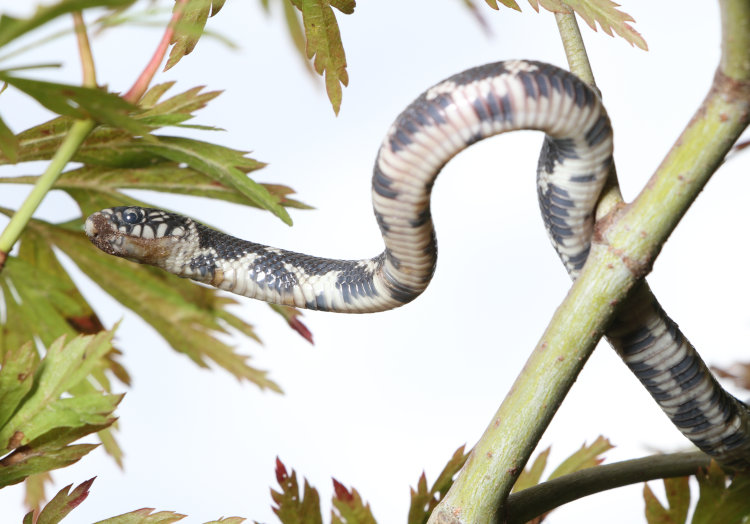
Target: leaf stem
538 500
622 253
142 82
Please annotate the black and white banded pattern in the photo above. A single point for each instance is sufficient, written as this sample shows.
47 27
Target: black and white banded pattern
481 102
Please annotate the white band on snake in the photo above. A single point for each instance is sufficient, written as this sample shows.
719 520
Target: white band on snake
446 119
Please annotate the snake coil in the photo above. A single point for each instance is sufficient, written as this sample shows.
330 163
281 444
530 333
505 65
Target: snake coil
575 160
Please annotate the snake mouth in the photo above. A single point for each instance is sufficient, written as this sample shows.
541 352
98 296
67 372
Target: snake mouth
102 233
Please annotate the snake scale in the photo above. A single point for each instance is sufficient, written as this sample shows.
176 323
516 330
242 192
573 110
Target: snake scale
484 101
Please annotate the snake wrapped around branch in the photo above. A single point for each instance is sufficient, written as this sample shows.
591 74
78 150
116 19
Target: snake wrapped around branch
481 102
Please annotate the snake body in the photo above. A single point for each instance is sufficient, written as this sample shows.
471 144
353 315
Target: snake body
478 103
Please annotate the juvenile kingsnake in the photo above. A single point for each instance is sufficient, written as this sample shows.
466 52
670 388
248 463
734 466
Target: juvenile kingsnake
481 102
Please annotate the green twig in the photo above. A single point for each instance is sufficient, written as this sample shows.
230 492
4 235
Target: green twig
538 500
75 137
84 50
575 51
624 248
73 140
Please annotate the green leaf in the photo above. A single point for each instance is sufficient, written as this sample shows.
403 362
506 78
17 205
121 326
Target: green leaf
605 13
227 520
64 502
424 500
11 28
296 32
220 163
8 143
64 366
185 314
506 3
720 503
532 474
28 460
44 303
144 516
80 102
678 502
348 507
16 379
324 44
291 508
190 27
586 457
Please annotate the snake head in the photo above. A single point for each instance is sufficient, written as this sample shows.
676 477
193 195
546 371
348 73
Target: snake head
139 234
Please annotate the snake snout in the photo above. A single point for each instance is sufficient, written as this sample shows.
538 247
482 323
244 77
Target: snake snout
100 231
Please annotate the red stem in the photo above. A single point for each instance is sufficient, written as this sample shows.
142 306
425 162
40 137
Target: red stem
143 81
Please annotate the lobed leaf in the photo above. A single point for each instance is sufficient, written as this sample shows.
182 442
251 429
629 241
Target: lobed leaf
720 503
29 461
62 369
221 163
586 457
348 506
424 500
296 32
190 27
507 3
80 102
185 314
532 475
8 143
603 12
291 508
144 516
43 303
678 502
11 27
324 43
16 379
64 502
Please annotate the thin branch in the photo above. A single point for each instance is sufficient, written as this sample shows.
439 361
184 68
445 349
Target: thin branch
575 51
538 500
142 82
84 50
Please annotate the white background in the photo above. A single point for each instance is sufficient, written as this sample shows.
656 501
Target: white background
381 397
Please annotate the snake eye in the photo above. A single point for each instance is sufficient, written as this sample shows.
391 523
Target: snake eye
132 216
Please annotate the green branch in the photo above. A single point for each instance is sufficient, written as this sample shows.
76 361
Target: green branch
624 248
77 134
75 137
538 500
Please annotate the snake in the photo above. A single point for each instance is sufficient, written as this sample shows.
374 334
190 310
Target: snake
575 161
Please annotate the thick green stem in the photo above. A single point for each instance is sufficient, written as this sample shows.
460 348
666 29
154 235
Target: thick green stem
538 500
623 251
